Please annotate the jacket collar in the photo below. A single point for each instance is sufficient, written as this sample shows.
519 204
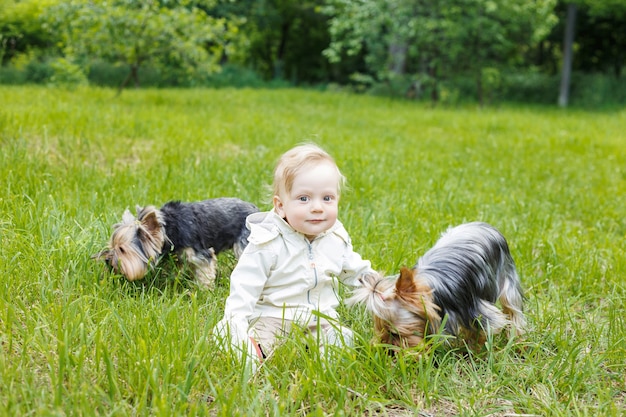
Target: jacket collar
266 226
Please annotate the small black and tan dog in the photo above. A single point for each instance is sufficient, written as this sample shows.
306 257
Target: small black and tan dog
195 232
455 285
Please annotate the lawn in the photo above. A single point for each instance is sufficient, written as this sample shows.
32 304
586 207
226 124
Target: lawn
78 340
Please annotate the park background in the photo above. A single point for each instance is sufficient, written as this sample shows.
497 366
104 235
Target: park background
468 128
443 51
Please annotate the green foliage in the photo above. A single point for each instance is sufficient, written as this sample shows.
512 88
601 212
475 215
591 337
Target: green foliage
67 74
77 340
282 39
597 90
616 8
176 35
355 26
12 75
447 51
105 74
588 90
440 39
21 31
38 71
600 48
234 76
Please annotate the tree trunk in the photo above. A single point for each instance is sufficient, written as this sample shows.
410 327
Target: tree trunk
568 42
434 82
397 57
279 62
479 89
134 74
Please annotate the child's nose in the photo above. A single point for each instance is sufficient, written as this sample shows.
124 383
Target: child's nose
317 205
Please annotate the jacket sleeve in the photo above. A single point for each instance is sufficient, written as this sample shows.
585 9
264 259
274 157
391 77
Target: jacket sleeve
354 267
247 281
246 286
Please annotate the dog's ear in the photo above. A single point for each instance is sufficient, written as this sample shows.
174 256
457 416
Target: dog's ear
150 221
127 217
150 233
405 283
418 296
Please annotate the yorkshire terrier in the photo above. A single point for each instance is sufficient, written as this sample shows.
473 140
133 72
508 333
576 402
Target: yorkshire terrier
456 283
195 232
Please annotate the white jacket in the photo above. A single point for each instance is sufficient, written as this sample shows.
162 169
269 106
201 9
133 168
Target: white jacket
281 274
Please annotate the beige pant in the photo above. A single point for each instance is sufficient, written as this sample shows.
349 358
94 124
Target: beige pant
267 333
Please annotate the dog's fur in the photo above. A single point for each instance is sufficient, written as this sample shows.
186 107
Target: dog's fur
196 232
457 282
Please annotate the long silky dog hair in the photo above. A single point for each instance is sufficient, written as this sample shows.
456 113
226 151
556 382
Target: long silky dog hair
456 282
196 232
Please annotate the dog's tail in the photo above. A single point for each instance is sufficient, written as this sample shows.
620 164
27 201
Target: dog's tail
511 297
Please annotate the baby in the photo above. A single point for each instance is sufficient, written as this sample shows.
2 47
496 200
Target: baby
289 272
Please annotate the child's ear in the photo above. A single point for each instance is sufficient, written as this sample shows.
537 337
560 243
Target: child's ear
278 206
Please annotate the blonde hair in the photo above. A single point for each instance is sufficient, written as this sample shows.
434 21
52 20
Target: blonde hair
294 160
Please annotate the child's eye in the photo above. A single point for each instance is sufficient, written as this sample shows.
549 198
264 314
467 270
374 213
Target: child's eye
329 198
303 198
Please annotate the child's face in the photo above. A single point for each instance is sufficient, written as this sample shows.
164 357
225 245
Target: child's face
312 204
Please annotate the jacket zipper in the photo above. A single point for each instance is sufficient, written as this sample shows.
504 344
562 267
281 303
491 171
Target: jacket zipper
312 264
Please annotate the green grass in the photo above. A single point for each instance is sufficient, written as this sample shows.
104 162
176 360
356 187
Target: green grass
76 340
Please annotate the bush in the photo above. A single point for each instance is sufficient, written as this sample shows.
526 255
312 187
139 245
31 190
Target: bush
38 71
530 87
108 75
105 74
396 87
12 75
67 74
233 76
586 90
597 90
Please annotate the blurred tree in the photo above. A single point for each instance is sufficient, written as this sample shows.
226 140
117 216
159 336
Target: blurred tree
436 39
20 28
284 38
568 51
173 34
602 44
421 47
